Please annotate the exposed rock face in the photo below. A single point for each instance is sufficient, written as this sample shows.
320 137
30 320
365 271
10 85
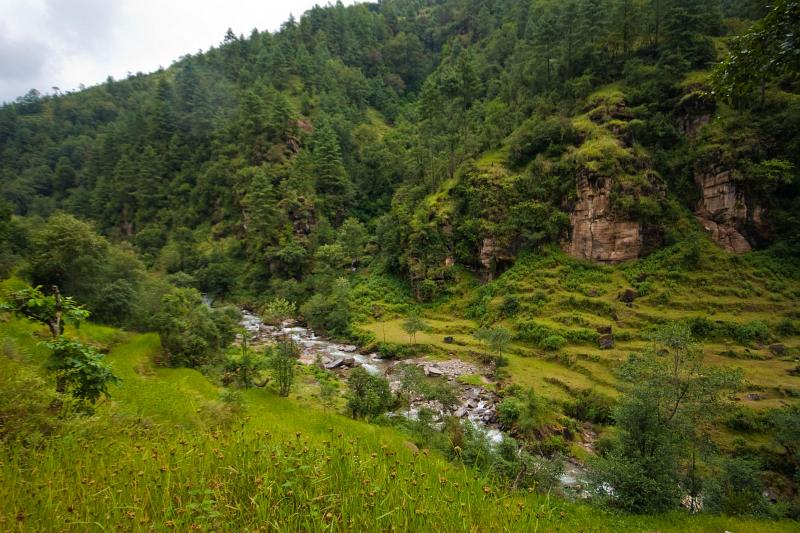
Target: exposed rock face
723 211
493 258
694 111
597 234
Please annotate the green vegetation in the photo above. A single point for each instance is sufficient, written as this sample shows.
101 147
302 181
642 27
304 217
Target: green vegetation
429 181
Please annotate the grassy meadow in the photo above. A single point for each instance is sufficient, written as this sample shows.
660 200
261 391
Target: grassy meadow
165 453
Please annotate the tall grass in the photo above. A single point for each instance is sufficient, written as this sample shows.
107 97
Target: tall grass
166 454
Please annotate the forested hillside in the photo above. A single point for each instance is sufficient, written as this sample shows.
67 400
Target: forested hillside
455 133
573 198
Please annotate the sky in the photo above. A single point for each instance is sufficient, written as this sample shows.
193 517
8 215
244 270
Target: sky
65 43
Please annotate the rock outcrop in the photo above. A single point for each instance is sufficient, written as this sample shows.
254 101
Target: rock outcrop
723 210
597 234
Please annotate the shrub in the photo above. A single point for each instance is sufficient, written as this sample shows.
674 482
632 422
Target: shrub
509 411
368 395
591 406
537 135
553 343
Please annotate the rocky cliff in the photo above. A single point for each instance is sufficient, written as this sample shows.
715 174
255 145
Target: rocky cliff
597 233
723 209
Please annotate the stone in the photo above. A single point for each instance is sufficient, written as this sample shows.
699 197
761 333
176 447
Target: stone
604 330
433 372
606 342
628 296
449 340
461 412
754 396
349 362
777 349
336 363
411 446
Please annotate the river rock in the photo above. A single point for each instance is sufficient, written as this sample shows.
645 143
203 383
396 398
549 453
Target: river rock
433 372
336 363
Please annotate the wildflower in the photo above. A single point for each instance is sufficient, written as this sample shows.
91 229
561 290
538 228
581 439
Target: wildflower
486 489
169 523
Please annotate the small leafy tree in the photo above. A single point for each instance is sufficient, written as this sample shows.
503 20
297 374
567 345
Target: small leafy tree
52 310
191 332
414 324
368 395
278 310
328 391
495 339
282 360
245 368
79 368
412 382
670 404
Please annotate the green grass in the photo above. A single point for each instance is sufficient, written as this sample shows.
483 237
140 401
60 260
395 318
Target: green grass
165 454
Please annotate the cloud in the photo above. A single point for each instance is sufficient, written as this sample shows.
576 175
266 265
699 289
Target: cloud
65 43
82 26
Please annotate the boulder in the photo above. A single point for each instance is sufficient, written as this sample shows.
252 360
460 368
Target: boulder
777 349
606 342
433 372
461 412
349 362
336 363
604 330
754 396
449 340
627 296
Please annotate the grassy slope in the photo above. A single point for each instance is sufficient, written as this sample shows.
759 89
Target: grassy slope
566 296
165 453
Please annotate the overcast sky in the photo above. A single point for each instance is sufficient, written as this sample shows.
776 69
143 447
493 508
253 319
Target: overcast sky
63 43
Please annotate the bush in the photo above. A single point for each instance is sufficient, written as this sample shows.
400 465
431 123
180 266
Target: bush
553 343
536 136
591 406
368 395
509 411
736 489
746 420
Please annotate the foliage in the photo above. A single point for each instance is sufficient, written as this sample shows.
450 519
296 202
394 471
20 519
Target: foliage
368 396
282 360
768 49
670 403
244 367
413 324
51 310
278 310
80 369
191 333
591 406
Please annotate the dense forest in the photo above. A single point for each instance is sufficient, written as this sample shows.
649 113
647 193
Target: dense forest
509 165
